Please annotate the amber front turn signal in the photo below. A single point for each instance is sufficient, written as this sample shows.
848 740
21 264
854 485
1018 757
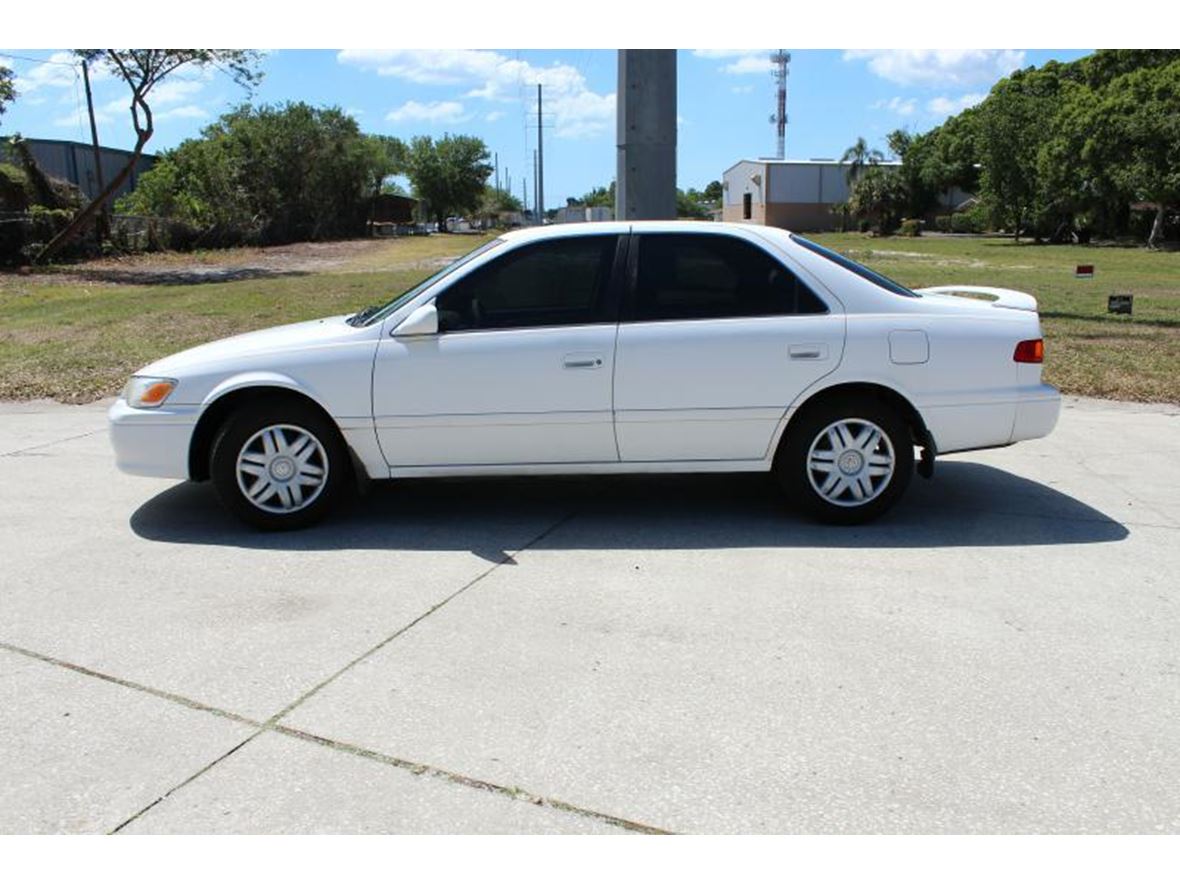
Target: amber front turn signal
147 393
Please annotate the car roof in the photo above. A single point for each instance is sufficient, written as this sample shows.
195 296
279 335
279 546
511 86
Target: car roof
586 228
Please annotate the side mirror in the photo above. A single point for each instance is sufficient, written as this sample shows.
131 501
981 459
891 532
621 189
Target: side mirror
423 321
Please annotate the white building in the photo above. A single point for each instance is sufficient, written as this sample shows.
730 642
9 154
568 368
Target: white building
573 214
794 194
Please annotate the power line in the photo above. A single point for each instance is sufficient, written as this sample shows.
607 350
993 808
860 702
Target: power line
42 61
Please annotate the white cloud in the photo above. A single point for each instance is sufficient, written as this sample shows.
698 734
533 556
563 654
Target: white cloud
493 116
903 106
430 112
748 64
727 53
186 111
577 111
172 91
741 90
57 72
944 106
744 61
939 67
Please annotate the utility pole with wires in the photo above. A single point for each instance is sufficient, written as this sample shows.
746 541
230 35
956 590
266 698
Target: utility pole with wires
540 163
538 205
496 161
781 60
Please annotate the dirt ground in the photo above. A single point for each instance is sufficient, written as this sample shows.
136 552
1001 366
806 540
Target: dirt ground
229 265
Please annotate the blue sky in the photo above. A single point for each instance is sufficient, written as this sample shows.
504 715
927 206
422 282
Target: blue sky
725 99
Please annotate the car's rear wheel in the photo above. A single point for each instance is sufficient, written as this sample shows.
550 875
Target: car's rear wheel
847 460
278 466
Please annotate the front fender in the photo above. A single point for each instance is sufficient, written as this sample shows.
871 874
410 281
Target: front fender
259 379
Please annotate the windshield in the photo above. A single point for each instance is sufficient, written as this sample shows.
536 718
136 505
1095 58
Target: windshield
859 269
379 312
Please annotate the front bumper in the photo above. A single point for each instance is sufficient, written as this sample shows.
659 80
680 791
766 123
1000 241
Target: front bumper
152 442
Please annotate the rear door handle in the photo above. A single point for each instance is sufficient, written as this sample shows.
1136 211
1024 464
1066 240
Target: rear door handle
582 361
809 351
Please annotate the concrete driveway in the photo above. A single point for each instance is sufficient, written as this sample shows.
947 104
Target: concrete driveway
1000 654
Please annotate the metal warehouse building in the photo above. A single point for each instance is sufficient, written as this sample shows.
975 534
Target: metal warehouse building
73 161
795 194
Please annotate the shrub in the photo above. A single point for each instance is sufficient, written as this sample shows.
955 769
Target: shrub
911 227
14 189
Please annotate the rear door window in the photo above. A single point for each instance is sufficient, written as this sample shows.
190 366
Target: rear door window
707 276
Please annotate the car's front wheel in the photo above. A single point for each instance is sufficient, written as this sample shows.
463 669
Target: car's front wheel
278 466
846 461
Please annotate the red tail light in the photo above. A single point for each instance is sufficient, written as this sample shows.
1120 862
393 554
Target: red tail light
1030 351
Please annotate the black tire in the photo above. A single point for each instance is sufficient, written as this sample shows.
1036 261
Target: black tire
291 417
792 472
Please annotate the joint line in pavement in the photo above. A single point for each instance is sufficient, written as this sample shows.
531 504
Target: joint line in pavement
271 725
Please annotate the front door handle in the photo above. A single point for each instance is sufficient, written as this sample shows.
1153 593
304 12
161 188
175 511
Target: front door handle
582 361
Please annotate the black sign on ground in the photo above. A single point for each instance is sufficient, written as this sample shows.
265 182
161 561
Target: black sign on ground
1119 304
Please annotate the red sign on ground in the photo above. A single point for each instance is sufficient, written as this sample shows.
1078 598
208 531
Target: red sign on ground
1084 271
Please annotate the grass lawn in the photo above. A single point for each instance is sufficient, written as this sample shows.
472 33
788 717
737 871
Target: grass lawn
1087 350
75 335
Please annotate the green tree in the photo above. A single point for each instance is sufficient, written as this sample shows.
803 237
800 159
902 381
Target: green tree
271 173
448 175
1130 138
1012 126
600 196
495 201
859 157
142 70
7 90
899 142
713 192
879 196
691 204
389 157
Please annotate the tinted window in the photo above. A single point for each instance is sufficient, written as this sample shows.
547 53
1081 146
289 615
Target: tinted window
693 276
552 283
859 269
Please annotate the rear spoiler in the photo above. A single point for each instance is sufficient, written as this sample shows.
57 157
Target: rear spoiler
1008 298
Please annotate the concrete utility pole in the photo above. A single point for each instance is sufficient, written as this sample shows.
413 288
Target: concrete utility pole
540 163
645 180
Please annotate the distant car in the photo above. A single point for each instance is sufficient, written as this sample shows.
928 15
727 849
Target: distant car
604 348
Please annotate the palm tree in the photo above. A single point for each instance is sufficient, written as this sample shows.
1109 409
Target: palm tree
858 157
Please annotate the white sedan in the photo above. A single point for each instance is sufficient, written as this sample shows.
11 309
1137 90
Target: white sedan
604 348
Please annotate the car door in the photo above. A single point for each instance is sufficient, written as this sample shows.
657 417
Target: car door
718 337
520 370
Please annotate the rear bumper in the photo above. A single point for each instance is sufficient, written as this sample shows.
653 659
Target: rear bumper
1036 415
152 442
1023 413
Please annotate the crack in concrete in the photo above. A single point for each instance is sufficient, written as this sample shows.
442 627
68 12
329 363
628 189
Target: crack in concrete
272 725
55 442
